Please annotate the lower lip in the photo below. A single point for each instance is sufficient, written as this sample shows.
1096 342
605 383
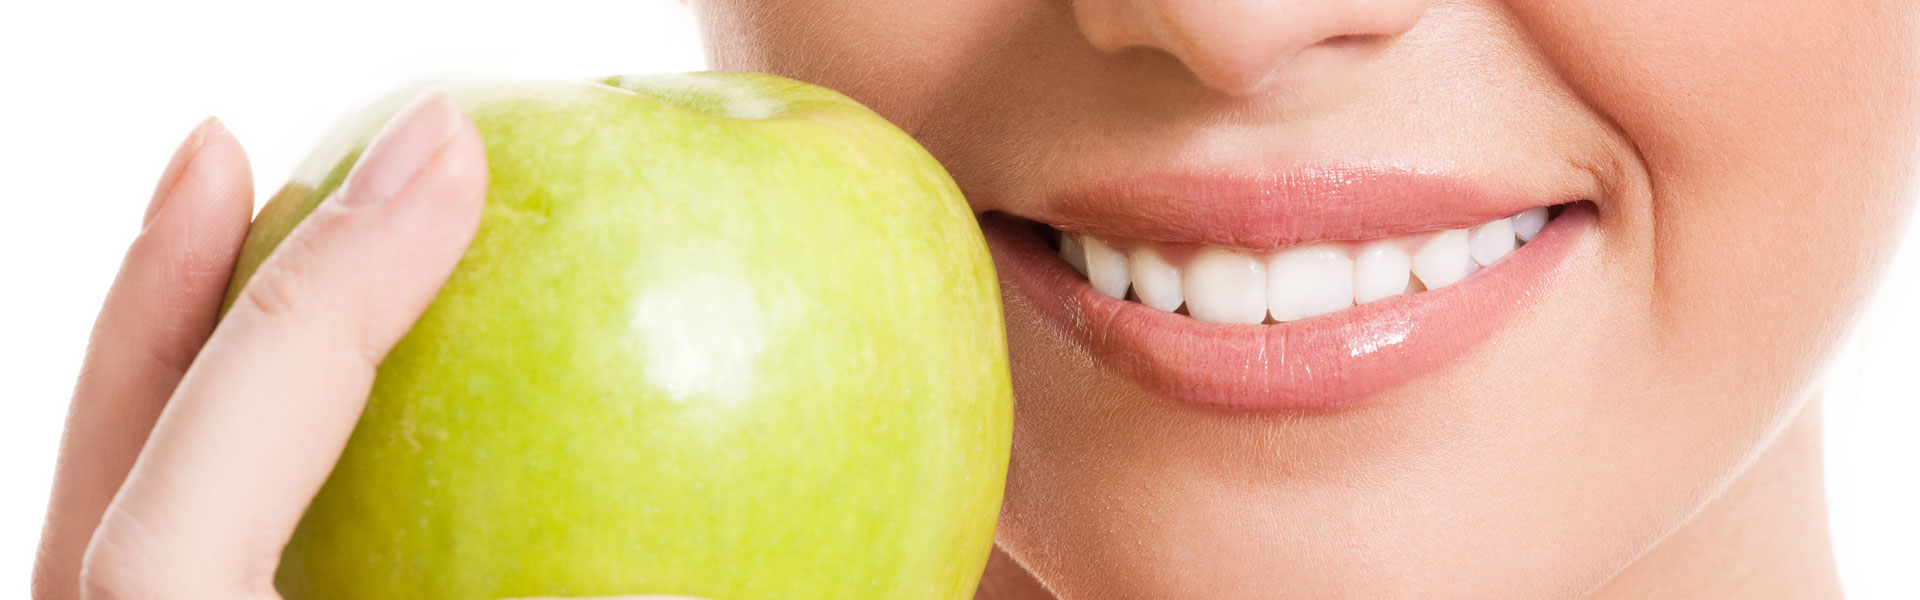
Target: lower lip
1330 362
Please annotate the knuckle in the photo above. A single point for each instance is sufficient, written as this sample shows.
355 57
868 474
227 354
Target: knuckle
280 288
132 559
293 290
272 297
118 564
110 588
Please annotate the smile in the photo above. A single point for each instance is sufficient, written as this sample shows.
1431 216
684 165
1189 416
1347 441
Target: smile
1237 285
1309 292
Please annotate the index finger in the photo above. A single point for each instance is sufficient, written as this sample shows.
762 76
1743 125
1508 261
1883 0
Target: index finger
159 311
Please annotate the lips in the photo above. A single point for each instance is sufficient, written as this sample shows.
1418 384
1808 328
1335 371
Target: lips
1330 358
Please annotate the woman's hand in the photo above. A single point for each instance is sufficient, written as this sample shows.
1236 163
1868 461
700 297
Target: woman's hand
191 450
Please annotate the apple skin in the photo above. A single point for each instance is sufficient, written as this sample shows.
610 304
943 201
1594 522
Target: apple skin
723 335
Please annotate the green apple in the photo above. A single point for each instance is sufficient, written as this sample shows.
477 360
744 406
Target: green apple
723 335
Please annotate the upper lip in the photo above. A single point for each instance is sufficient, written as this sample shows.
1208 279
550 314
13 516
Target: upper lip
1266 210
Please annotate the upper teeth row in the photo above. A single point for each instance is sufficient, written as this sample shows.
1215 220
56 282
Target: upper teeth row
1228 285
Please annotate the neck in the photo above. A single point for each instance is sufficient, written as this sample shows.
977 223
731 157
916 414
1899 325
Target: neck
1765 536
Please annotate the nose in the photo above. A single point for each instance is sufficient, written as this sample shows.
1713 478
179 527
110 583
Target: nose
1234 45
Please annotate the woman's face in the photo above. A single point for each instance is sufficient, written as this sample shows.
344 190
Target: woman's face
1730 175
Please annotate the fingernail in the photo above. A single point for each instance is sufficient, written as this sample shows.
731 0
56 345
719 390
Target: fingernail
401 150
182 156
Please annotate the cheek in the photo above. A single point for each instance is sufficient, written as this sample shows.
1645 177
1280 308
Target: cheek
1778 138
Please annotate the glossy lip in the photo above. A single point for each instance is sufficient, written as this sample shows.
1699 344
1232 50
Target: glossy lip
1262 212
1325 363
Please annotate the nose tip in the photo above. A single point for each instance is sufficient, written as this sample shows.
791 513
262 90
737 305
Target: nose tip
1235 46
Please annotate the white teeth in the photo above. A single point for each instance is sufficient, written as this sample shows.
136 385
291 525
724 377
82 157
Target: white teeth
1106 268
1309 281
1156 282
1380 271
1528 224
1443 259
1490 242
1232 285
1076 256
1224 286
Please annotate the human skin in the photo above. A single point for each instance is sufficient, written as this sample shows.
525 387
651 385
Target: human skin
1646 427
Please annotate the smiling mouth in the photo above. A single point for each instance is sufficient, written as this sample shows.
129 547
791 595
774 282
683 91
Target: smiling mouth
1313 290
1219 284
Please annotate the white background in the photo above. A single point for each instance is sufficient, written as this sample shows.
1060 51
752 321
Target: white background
96 95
